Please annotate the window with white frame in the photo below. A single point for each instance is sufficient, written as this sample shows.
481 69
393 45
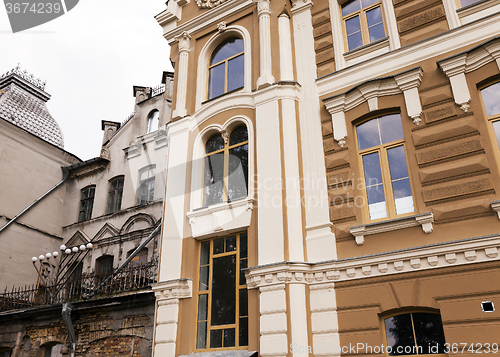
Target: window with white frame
153 120
146 189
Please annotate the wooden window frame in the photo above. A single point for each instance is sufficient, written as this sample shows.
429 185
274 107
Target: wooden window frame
209 292
226 66
411 312
115 207
363 22
385 173
225 150
89 202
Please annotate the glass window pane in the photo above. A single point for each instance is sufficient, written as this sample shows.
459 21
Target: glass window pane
243 331
226 49
354 41
350 6
429 332
223 290
214 178
399 333
215 143
376 202
397 162
217 76
402 196
205 252
243 265
391 128
490 96
203 278
496 128
235 71
238 135
231 244
219 246
468 2
368 134
366 3
352 25
229 337
215 338
243 302
374 16
371 165
243 245
201 338
238 172
202 307
376 32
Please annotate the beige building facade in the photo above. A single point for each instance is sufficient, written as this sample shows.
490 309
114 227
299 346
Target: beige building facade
332 179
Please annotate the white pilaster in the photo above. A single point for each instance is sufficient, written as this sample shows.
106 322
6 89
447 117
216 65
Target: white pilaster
298 318
273 321
266 77
167 296
184 40
173 214
454 68
269 180
324 320
286 65
320 240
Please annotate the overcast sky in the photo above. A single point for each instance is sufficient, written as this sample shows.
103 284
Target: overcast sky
91 57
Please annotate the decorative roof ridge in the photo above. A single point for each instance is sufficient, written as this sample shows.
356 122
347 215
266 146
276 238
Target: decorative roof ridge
30 78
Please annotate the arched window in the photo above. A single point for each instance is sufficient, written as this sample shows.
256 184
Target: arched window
225 174
383 159
104 266
52 350
490 95
226 67
153 121
414 333
146 190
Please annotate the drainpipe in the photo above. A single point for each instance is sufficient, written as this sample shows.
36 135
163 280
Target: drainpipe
66 172
66 315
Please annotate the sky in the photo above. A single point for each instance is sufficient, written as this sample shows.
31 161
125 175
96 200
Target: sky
91 57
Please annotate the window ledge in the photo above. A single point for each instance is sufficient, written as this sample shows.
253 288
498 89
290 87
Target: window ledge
425 220
233 353
220 219
476 7
222 95
369 48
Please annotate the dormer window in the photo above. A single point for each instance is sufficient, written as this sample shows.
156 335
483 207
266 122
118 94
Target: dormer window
153 119
226 67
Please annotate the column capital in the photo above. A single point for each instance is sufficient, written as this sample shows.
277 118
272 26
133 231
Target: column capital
184 40
263 6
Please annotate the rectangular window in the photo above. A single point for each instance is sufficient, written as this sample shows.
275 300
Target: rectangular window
490 95
222 319
383 159
115 195
363 22
146 185
86 204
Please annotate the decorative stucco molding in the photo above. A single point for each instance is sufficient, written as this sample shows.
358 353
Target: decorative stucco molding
434 256
209 3
455 68
221 26
425 220
184 40
495 206
406 82
173 289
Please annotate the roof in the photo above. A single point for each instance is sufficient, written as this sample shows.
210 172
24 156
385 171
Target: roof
23 103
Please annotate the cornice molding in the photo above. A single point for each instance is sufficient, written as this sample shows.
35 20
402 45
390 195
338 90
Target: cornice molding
173 289
442 255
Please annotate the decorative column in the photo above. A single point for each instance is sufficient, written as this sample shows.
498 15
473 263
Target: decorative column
319 238
324 320
454 68
409 82
263 8
285 38
184 41
167 295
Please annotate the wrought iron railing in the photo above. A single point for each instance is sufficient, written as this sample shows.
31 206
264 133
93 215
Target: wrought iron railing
88 286
160 89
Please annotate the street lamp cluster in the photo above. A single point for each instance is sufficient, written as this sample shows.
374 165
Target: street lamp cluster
64 249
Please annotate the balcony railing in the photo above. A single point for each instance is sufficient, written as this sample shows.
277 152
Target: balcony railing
86 287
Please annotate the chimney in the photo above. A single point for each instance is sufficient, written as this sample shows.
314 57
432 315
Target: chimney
109 128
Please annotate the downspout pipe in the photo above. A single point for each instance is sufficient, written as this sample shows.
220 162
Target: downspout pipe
66 315
66 172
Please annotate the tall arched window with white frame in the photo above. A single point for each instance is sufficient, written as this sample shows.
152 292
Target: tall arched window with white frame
226 67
